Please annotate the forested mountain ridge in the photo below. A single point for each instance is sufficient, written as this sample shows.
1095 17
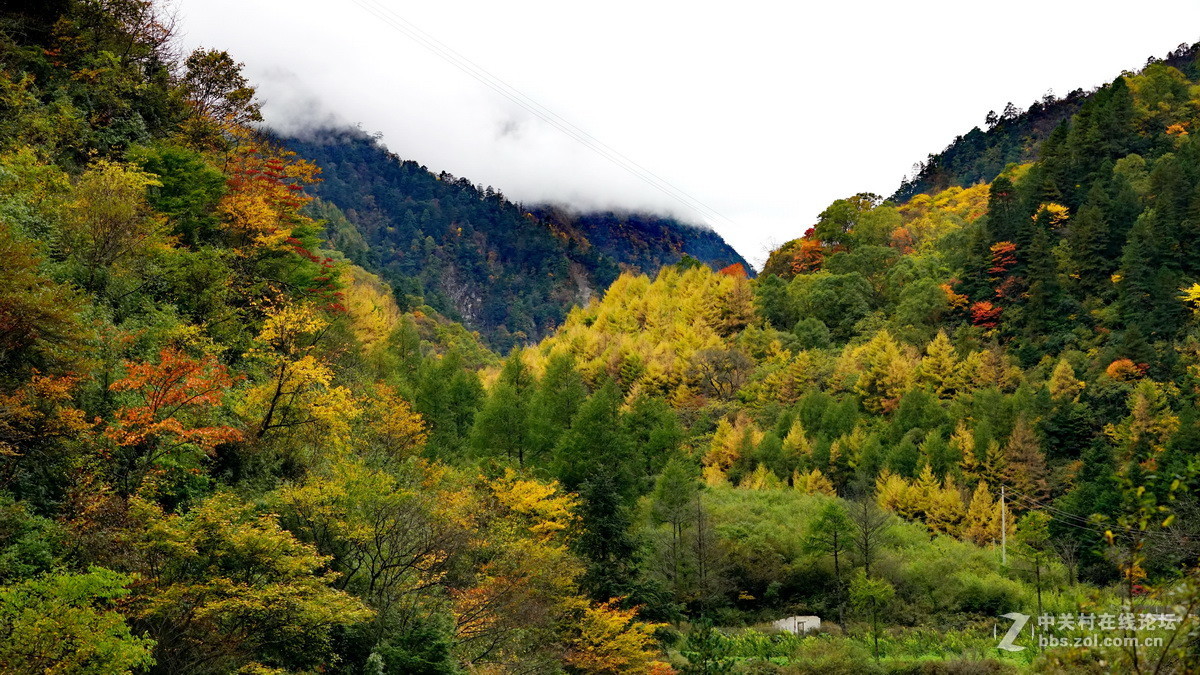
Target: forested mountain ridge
1011 136
227 447
642 242
508 271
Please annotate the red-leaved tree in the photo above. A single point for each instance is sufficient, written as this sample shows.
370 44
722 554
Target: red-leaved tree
168 422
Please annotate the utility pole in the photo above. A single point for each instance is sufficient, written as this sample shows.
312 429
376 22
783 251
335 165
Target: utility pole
1003 528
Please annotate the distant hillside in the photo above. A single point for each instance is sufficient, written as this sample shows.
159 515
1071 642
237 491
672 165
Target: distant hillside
641 242
511 272
1012 136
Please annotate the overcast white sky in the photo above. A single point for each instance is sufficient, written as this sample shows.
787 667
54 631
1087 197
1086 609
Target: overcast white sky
763 111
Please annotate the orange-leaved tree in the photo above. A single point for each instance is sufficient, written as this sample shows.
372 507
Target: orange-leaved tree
265 192
166 425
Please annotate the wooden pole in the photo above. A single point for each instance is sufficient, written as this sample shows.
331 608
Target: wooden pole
1003 529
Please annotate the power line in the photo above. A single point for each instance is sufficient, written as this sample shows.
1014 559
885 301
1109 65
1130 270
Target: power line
440 49
1065 518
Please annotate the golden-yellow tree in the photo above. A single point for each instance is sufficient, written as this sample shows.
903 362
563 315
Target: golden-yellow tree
963 443
389 427
886 373
813 483
1063 384
109 222
522 592
761 478
981 523
939 368
265 195
1144 432
728 445
796 447
613 641
296 389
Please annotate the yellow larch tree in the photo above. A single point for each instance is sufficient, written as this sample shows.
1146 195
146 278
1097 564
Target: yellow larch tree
922 494
886 373
788 384
1144 432
845 453
658 325
891 492
728 442
761 478
796 446
1025 465
995 465
989 368
981 520
945 511
813 483
613 641
939 367
1063 384
963 442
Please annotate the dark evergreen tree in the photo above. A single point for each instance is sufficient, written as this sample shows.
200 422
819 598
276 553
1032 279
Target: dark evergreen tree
1169 196
447 396
976 279
771 301
1087 237
1043 306
502 426
1121 210
1086 150
1150 281
606 539
1096 492
1189 236
596 443
1115 119
1005 214
653 430
1050 180
554 403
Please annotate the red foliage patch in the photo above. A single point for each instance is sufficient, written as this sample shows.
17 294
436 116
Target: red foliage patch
985 314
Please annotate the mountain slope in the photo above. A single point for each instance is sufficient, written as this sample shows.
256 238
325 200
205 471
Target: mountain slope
1084 249
641 242
502 269
1014 136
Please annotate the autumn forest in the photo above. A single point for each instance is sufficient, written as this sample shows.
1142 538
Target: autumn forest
294 404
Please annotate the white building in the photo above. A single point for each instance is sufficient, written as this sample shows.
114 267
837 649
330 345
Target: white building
798 625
